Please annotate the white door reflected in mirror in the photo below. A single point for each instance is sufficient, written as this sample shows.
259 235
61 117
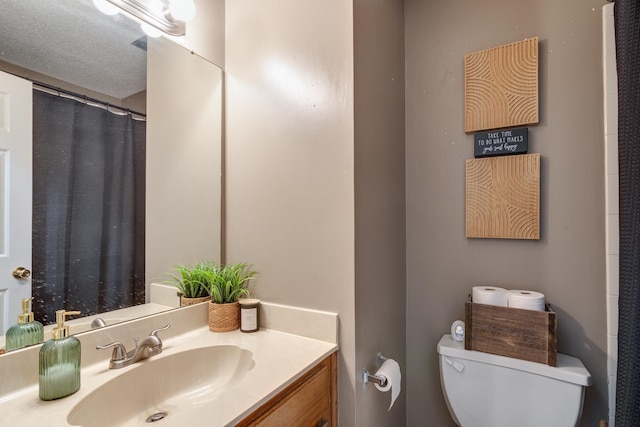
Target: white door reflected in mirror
15 194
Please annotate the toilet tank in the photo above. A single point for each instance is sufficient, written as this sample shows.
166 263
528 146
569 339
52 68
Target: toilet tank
486 390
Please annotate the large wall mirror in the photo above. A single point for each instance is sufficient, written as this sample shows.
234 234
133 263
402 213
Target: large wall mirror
69 44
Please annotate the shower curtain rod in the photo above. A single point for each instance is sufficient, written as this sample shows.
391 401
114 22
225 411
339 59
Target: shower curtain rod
44 87
86 99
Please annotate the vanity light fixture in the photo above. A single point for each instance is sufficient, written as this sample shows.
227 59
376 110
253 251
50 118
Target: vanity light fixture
182 10
105 7
168 16
150 31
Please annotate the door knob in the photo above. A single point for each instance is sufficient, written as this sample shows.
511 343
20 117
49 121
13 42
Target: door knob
21 273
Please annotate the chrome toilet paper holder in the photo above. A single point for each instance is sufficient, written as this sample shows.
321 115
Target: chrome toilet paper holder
366 376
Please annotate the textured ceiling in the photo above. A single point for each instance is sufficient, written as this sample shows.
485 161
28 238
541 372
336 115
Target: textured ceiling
72 41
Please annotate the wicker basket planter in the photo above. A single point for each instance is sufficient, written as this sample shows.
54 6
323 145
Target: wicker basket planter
184 301
224 317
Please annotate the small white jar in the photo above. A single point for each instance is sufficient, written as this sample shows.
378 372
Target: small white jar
249 314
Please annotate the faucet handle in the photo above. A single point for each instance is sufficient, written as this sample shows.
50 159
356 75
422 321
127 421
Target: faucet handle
155 331
119 352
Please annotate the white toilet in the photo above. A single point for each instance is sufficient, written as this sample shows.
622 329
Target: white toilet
485 390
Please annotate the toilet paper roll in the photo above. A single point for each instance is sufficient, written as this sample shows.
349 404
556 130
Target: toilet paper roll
526 300
489 295
391 371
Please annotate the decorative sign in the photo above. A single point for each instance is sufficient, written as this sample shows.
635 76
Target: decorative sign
501 142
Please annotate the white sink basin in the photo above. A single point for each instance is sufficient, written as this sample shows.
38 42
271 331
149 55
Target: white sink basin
169 387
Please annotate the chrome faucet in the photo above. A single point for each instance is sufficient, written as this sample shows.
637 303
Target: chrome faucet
98 322
148 347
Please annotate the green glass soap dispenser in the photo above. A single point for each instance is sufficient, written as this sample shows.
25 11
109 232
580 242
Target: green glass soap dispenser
60 361
27 331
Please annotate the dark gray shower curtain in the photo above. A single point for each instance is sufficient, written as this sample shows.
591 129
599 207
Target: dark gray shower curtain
627 25
88 208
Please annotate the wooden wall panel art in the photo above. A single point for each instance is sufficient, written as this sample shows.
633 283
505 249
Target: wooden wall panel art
501 86
503 197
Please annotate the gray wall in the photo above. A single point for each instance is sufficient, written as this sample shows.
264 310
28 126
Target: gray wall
289 159
315 201
315 173
568 263
379 201
205 32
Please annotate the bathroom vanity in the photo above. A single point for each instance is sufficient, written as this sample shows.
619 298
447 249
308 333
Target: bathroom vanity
200 377
310 401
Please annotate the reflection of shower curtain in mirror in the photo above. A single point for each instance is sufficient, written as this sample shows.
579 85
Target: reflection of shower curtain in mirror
88 208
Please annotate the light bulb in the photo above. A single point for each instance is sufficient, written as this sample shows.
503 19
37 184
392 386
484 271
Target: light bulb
150 30
105 7
182 10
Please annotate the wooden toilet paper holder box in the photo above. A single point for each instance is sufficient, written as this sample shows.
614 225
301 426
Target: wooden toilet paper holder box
512 332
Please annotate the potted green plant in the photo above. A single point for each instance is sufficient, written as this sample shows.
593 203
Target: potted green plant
229 285
194 283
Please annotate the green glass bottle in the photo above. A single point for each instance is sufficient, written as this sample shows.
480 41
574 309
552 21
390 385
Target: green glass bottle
27 331
60 362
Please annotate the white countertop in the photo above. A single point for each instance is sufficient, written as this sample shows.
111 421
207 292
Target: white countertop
280 358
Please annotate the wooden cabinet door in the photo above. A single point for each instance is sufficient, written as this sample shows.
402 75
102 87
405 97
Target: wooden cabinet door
311 401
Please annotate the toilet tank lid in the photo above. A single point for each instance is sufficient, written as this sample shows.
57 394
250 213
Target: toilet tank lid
569 369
